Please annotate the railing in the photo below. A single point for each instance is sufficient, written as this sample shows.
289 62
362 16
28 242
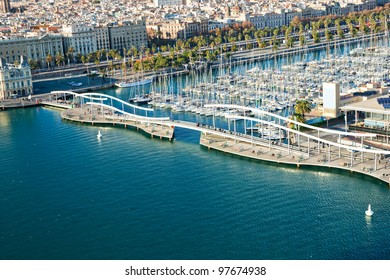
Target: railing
379 131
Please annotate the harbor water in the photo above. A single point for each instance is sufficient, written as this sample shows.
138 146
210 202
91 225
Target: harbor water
67 195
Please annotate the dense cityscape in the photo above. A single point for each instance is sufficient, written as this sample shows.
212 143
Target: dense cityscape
37 29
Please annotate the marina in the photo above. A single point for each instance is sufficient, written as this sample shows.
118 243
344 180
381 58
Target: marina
259 186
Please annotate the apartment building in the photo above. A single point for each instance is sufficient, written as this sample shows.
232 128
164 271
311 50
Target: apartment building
80 37
128 34
183 29
102 37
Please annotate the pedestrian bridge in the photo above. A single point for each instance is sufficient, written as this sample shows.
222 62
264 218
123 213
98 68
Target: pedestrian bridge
302 144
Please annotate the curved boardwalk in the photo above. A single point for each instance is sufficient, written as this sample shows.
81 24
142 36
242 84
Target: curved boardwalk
278 154
313 147
163 131
94 111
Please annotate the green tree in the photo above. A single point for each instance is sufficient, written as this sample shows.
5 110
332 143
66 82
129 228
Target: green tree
297 117
83 59
59 59
103 73
110 66
49 60
70 55
33 64
290 42
328 35
295 22
161 62
302 107
302 40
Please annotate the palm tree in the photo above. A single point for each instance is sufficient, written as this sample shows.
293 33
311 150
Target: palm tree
301 107
302 40
262 44
297 117
103 73
59 59
49 60
83 59
69 55
33 63
110 66
328 35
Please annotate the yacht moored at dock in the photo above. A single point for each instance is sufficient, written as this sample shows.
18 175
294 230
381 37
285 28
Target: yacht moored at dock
128 84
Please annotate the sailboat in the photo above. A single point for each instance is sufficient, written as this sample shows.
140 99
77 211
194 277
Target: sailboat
99 135
369 212
137 81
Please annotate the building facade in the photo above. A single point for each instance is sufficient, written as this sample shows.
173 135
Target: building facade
37 48
128 34
160 3
270 20
15 80
102 37
5 6
81 38
183 29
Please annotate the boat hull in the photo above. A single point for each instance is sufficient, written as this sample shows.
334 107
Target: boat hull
134 84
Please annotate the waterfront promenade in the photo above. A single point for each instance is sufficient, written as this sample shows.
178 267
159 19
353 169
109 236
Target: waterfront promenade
17 103
313 146
91 110
259 150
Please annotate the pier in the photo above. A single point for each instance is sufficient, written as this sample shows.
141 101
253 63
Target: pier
311 146
298 144
90 109
277 154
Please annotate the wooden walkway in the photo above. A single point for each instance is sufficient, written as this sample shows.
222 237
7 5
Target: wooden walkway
84 115
318 147
280 154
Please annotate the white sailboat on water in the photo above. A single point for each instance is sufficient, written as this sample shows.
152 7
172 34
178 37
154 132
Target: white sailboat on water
369 212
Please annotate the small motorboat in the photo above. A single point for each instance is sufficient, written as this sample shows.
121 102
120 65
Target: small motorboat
369 212
99 135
